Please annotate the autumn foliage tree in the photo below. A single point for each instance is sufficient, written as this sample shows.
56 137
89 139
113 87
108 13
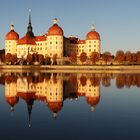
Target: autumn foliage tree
94 57
73 57
54 58
47 60
8 58
83 57
120 57
29 59
106 56
128 57
83 80
138 57
40 59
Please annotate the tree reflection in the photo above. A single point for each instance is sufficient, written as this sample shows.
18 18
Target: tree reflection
95 81
106 79
120 81
83 80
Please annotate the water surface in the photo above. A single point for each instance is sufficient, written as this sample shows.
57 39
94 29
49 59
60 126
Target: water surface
69 106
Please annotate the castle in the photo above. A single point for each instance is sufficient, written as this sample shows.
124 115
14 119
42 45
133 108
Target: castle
51 43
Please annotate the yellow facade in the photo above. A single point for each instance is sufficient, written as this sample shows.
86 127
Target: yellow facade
11 46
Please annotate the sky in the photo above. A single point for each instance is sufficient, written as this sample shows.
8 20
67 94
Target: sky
117 21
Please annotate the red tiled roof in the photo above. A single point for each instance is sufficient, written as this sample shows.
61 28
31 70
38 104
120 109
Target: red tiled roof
27 40
40 38
12 35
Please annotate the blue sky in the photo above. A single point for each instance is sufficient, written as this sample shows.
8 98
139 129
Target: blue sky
117 21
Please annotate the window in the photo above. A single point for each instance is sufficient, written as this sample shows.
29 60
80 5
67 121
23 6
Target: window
56 42
41 48
89 41
94 45
94 41
50 42
89 45
89 50
46 48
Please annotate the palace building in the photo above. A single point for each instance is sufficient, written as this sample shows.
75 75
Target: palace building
51 43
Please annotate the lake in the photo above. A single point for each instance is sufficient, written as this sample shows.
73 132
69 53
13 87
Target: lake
69 106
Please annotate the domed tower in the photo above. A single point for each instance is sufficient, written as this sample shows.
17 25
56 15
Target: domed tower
55 40
93 41
11 41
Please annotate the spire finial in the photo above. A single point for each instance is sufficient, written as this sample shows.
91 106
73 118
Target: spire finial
54 115
92 108
92 27
29 16
55 21
12 27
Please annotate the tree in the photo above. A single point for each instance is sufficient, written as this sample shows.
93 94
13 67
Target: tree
106 56
47 60
83 57
14 59
128 57
120 57
29 59
94 57
2 55
41 59
134 58
73 57
8 58
54 58
138 57
35 57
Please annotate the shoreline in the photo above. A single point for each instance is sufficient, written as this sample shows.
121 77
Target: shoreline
71 68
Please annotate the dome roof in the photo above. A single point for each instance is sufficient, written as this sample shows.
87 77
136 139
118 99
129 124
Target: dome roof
93 35
55 106
92 100
12 100
12 35
27 40
55 29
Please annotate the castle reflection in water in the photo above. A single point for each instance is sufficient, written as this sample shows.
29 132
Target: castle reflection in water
54 88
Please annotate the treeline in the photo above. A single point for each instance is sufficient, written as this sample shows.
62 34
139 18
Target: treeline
30 60
121 58
106 58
